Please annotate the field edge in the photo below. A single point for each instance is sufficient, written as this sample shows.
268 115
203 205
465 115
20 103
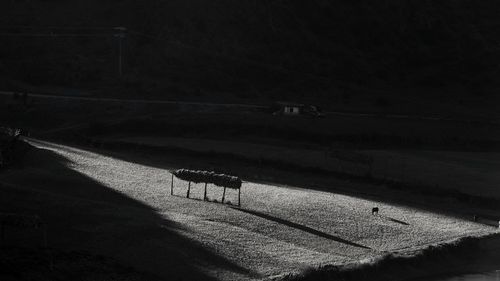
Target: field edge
439 259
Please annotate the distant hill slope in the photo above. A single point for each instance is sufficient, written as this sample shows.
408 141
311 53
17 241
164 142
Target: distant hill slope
277 49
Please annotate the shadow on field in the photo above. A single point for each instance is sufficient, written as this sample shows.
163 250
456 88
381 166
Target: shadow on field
301 227
394 220
85 215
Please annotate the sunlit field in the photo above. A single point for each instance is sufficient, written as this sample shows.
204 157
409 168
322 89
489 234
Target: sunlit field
464 171
277 229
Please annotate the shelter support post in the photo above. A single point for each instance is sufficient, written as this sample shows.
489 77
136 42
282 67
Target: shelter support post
172 185
239 197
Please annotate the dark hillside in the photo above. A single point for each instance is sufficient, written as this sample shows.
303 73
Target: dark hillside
276 49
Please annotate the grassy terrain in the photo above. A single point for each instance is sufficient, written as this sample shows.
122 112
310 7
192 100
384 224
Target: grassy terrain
93 118
353 131
468 172
458 156
110 212
123 210
21 263
389 56
442 262
69 118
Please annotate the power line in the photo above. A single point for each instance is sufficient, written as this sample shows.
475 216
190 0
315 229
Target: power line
121 32
56 34
53 27
118 32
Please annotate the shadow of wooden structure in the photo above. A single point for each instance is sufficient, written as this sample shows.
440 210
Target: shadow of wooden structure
207 177
302 227
394 220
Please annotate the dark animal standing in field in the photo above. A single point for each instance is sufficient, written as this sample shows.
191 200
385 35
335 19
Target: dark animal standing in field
375 211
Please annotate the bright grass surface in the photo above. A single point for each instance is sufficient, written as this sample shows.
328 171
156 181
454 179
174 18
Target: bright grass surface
278 229
468 172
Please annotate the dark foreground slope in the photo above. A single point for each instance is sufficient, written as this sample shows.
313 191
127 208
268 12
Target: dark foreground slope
320 49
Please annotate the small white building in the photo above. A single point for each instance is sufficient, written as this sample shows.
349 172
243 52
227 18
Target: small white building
291 109
294 109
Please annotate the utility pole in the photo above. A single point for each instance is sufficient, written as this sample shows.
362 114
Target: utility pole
121 33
